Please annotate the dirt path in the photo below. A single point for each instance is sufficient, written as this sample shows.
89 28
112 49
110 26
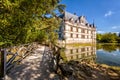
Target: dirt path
34 67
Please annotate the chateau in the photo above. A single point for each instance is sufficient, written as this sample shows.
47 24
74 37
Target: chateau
76 29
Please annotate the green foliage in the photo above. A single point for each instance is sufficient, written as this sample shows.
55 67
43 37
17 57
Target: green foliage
99 36
24 21
63 56
107 38
109 47
118 39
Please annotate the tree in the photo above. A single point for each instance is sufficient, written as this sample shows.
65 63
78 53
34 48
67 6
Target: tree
23 21
118 39
107 38
99 36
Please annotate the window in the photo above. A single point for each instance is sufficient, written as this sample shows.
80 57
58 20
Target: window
71 51
82 36
71 57
82 31
82 49
76 35
91 37
64 34
87 54
87 48
71 35
88 37
71 29
77 56
77 51
91 32
77 29
88 31
63 27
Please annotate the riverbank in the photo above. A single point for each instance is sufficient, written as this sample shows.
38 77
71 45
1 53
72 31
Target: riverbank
75 70
38 67
109 43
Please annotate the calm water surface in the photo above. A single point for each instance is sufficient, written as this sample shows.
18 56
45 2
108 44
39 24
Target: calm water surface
101 53
108 54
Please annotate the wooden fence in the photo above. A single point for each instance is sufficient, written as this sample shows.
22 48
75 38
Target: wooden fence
12 56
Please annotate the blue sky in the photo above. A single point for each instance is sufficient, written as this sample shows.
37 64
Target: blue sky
105 13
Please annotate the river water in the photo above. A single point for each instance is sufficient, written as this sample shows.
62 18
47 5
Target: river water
101 53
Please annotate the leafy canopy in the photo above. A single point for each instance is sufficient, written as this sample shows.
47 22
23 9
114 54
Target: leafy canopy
23 21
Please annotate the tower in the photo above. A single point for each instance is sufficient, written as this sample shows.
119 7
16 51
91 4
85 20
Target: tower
119 34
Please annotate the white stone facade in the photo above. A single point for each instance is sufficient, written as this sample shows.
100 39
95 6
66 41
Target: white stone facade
76 29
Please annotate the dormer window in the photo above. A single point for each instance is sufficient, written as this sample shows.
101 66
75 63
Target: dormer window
91 25
75 21
71 19
82 20
87 24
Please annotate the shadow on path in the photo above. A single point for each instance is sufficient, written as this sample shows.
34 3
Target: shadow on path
38 66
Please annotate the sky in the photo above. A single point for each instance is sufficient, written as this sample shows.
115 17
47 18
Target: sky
104 13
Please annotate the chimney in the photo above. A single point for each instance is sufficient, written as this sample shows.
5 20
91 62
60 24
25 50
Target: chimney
74 13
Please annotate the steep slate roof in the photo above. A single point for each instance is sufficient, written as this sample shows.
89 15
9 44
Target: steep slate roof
67 16
81 19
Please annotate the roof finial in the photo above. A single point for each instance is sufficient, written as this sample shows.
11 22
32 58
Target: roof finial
93 23
119 34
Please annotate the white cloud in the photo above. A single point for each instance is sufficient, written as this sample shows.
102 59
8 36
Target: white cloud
101 32
109 13
115 27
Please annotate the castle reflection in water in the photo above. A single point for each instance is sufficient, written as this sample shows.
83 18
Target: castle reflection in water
80 53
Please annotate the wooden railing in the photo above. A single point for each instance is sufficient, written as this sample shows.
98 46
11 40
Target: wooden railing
13 56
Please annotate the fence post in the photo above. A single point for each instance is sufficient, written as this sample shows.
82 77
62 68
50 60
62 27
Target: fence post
3 64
